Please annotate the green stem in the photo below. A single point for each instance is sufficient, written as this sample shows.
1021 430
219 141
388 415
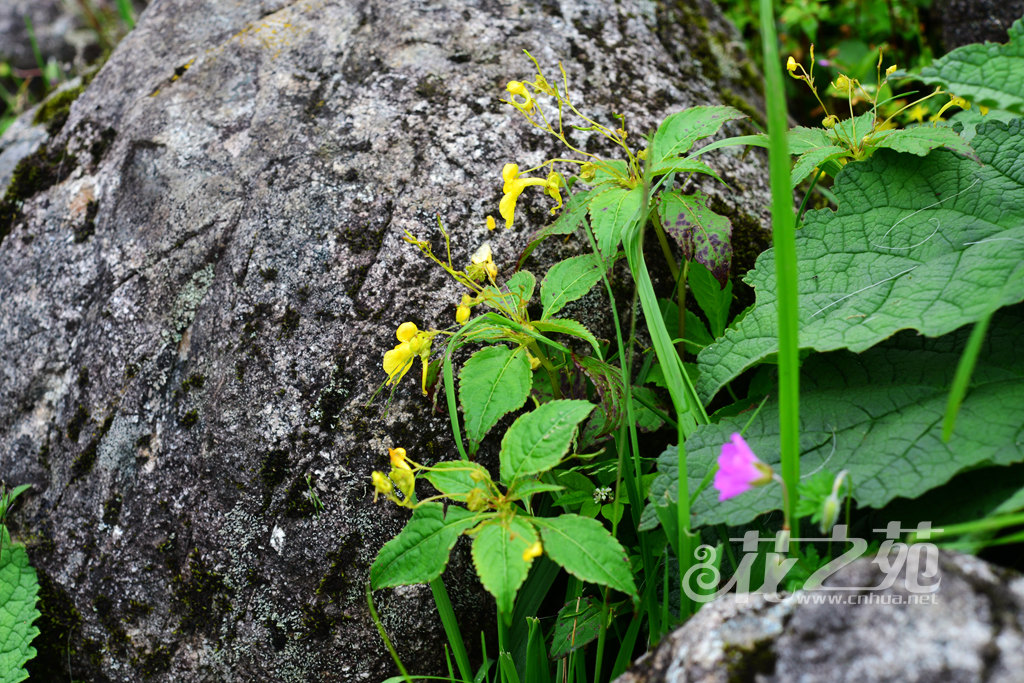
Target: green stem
784 240
545 362
384 635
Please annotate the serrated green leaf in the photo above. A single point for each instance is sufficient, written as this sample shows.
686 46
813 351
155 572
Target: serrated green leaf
569 280
537 440
585 549
567 326
703 235
495 381
419 553
813 158
690 166
577 623
530 487
522 285
926 243
802 139
990 74
712 298
611 212
456 477
19 589
879 416
679 131
498 557
921 140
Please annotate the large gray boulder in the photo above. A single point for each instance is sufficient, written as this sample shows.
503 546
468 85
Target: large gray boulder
200 271
970 629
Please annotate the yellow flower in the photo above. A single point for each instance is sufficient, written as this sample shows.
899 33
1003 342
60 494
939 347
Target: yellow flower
983 109
535 550
517 88
791 64
490 223
412 343
918 112
381 485
398 460
481 265
406 331
890 71
554 181
462 314
405 480
514 186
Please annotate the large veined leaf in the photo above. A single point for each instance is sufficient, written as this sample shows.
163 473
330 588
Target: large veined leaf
537 440
990 74
19 590
457 477
498 556
585 549
495 381
925 243
879 416
419 553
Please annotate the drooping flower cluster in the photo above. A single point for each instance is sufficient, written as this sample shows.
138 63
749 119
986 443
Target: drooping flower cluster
401 478
514 186
412 342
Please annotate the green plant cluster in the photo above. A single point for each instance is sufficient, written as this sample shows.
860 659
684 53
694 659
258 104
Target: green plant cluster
19 591
876 363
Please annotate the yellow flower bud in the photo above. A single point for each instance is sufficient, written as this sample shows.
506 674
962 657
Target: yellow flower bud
534 361
462 314
535 550
406 331
588 171
517 88
791 64
381 485
398 460
983 109
830 121
843 83
490 223
476 500
891 70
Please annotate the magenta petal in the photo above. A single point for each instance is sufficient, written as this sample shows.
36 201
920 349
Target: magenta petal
736 468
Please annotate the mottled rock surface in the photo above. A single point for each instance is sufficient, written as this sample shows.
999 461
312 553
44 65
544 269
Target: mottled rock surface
973 630
975 21
200 271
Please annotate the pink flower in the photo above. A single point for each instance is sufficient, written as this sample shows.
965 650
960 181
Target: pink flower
739 469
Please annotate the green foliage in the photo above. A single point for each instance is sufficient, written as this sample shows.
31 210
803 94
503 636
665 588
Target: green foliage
19 591
569 280
498 556
578 623
420 552
988 74
538 440
925 243
587 551
495 381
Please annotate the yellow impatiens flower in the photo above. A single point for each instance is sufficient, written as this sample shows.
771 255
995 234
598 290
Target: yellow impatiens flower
490 223
791 65
918 112
381 485
514 186
412 343
517 88
398 460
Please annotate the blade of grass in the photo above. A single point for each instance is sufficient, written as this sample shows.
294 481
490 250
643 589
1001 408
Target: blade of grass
784 241
451 627
962 378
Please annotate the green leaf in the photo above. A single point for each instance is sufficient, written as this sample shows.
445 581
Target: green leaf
921 140
802 139
569 280
712 298
529 487
585 549
679 131
537 440
879 416
419 553
577 623
567 326
990 74
19 589
703 235
610 212
498 556
522 285
926 243
455 477
812 159
495 381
